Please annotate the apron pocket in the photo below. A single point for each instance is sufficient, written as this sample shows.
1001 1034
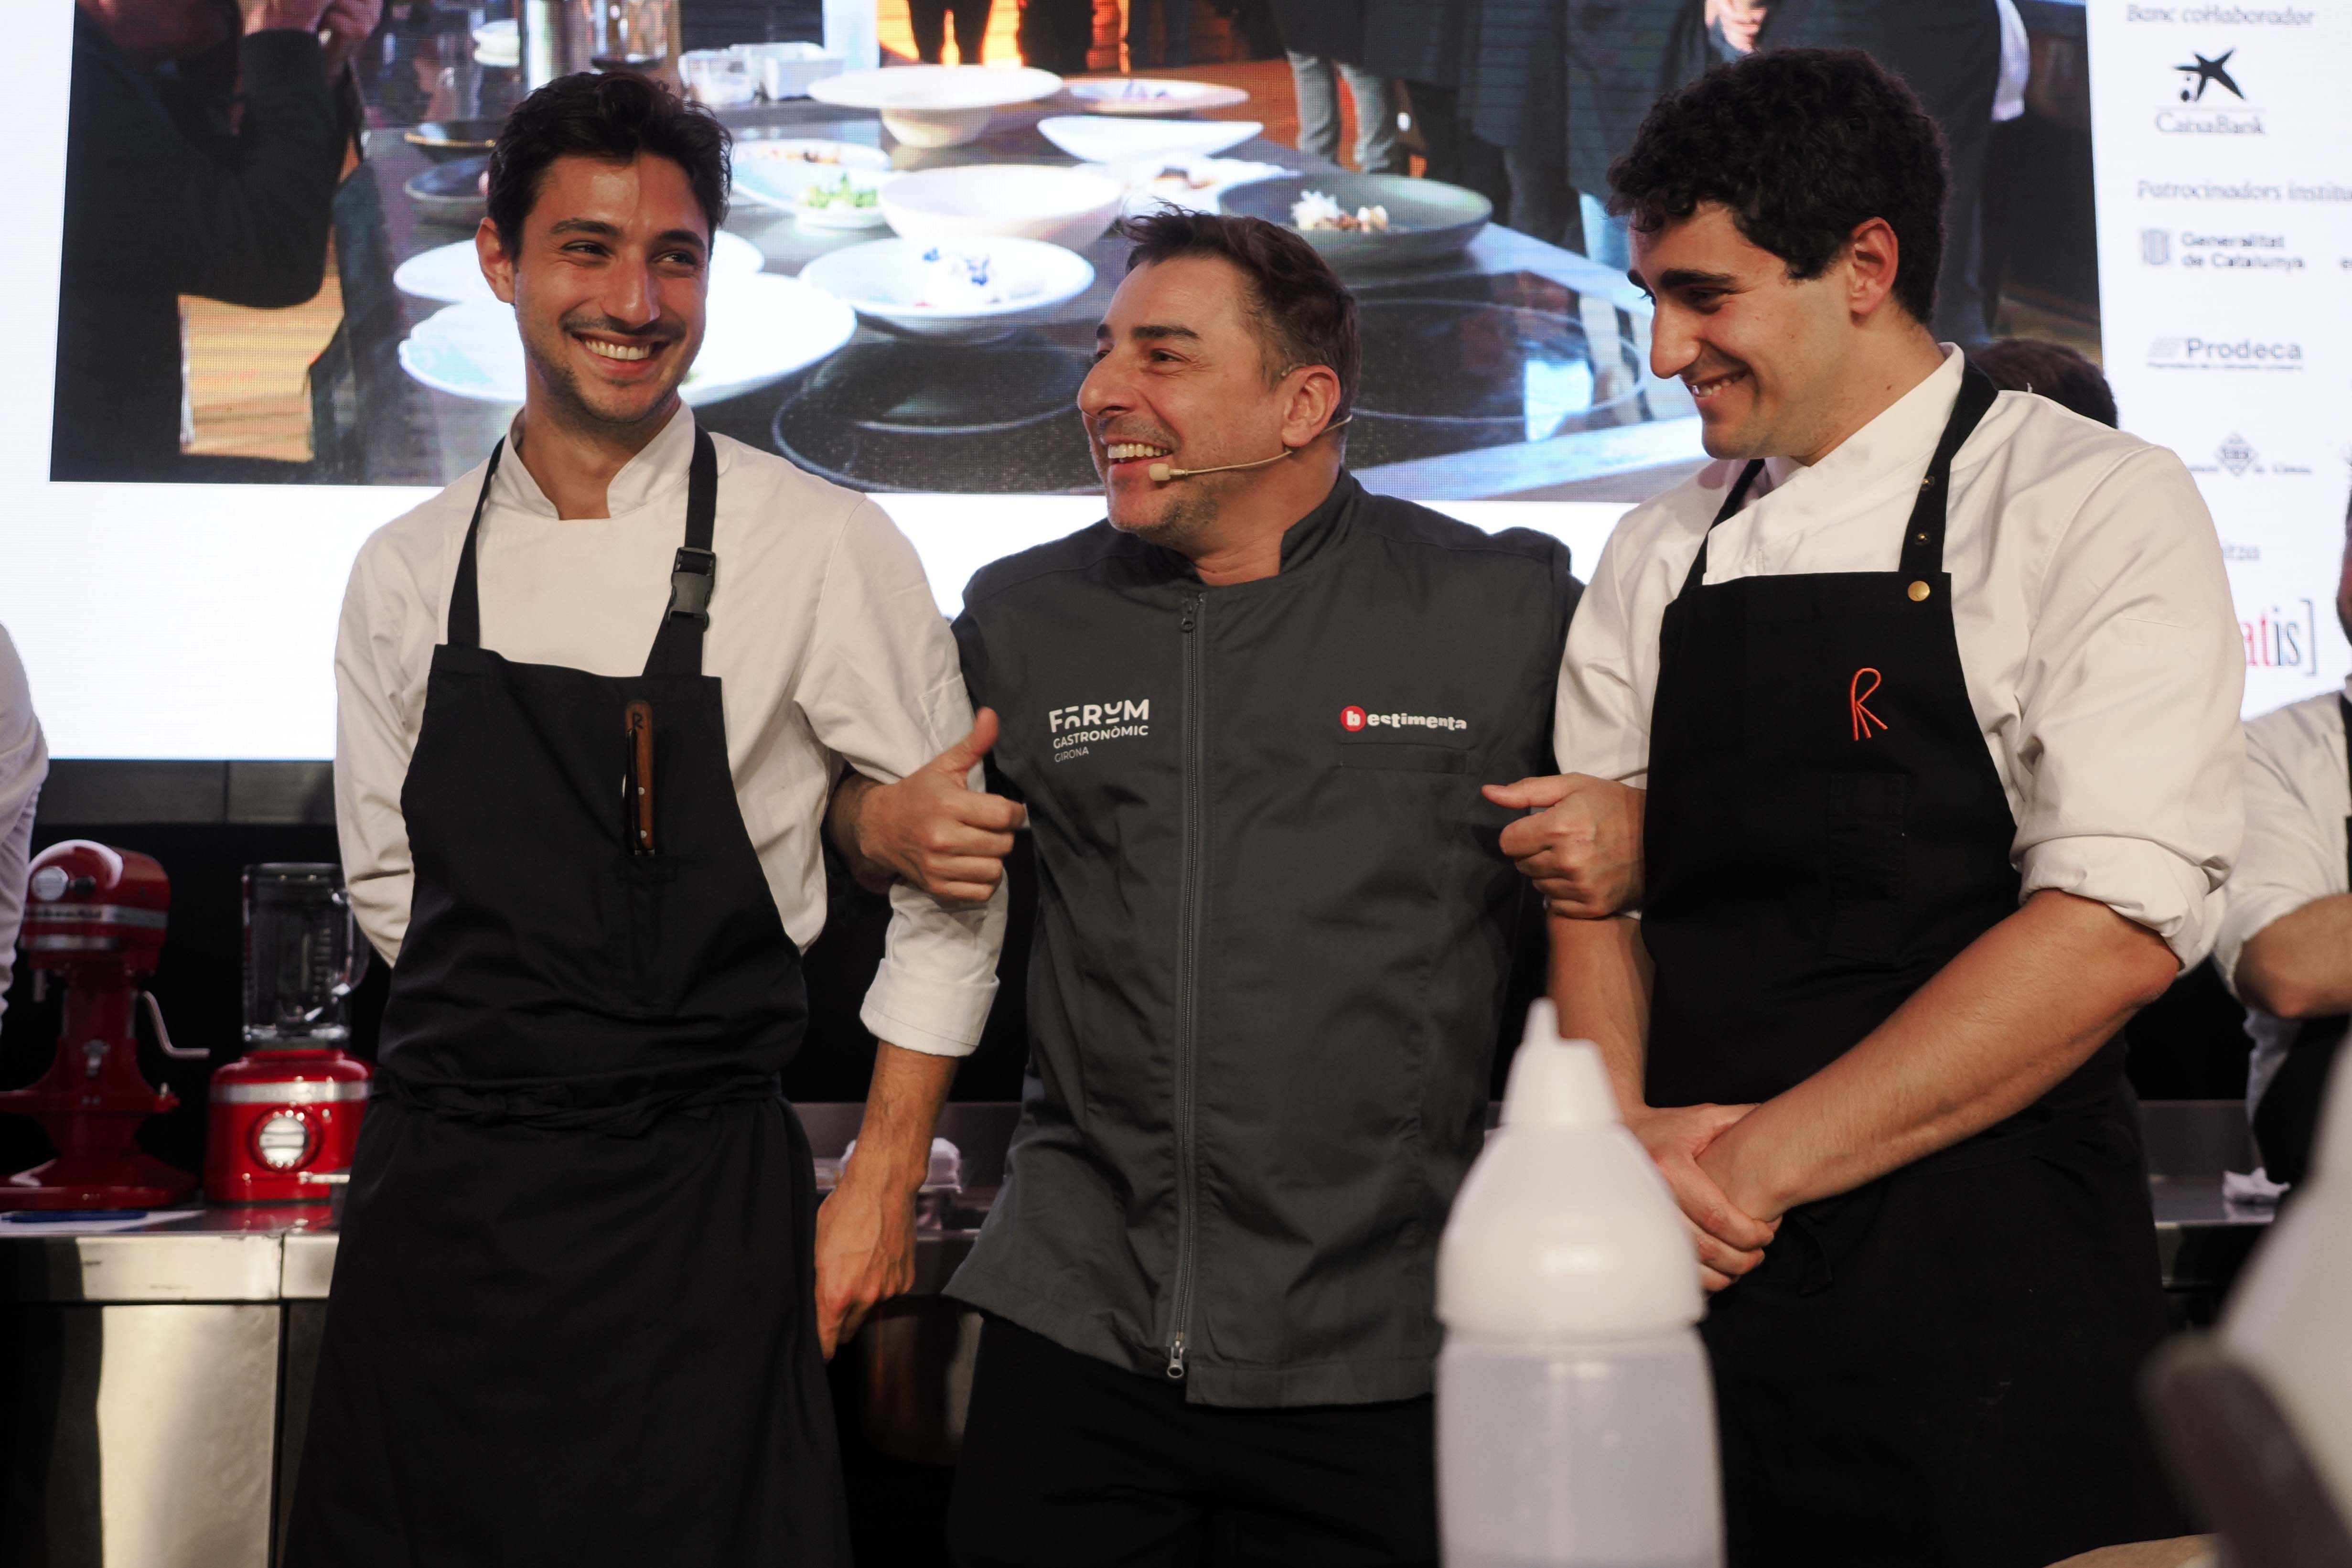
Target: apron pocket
636 930
1862 866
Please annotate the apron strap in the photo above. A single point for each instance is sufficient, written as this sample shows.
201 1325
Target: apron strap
1923 533
1923 537
677 645
465 594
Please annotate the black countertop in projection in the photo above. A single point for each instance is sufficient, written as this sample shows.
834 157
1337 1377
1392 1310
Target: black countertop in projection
1515 368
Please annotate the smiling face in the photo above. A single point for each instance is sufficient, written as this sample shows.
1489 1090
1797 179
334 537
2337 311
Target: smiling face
608 281
1770 359
1180 377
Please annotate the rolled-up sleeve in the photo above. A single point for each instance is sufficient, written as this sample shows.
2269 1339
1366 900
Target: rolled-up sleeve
374 735
2128 742
2293 853
885 694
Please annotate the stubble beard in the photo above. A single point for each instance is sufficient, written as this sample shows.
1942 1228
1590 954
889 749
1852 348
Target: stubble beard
570 402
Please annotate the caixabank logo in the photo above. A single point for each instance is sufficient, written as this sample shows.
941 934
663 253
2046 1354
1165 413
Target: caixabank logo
2209 100
2244 353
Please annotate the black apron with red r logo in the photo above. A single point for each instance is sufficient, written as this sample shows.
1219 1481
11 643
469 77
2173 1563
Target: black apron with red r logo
571 1321
1936 1368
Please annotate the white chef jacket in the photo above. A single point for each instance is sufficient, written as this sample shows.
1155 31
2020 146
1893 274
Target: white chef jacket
23 763
825 634
2298 795
2096 632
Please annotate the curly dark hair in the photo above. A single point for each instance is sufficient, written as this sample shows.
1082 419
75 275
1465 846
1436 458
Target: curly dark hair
1802 146
1304 314
611 117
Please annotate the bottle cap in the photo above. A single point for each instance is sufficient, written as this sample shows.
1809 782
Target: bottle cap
1564 1228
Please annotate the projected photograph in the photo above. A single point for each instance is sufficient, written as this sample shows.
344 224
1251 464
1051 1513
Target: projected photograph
268 273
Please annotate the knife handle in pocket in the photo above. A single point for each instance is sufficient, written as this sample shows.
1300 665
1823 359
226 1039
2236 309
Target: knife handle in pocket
638 720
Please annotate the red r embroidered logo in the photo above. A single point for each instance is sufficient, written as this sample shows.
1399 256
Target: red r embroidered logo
1858 698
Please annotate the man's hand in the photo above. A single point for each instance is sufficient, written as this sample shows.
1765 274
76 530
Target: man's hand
865 1251
865 1228
1582 847
348 23
931 829
1731 1240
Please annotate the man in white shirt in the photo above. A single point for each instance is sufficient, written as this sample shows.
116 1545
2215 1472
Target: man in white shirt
23 763
2285 943
576 1316
1931 693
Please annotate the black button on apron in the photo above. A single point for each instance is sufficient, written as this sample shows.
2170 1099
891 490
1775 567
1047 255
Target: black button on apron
571 1319
1937 1368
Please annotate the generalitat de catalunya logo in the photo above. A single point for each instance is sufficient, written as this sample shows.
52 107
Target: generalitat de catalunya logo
1353 719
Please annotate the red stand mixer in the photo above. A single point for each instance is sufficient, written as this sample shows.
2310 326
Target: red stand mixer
96 916
285 1121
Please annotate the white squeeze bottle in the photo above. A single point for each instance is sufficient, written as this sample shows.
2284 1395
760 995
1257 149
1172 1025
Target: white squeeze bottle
1575 1416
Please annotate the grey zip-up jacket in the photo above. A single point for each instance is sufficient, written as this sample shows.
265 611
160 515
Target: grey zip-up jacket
1274 931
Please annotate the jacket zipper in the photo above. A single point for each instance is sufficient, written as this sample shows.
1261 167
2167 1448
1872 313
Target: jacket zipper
1188 971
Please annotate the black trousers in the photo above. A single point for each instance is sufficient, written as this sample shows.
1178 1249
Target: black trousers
929 19
1070 1460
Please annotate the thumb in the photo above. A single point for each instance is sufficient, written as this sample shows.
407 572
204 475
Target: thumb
1528 793
960 758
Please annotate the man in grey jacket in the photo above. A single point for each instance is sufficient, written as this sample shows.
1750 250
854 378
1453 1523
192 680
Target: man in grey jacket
1248 716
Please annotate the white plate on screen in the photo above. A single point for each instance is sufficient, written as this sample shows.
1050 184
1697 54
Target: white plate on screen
785 152
761 328
454 272
785 183
1152 95
1190 183
1109 139
894 281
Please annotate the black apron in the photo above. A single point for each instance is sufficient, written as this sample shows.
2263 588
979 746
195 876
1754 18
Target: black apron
570 1322
1938 1367
2286 1118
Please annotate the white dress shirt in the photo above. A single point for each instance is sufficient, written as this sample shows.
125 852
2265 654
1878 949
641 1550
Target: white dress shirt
23 763
2298 795
826 636
2097 633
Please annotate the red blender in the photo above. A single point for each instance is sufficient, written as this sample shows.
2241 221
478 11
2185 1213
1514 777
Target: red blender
286 1119
96 916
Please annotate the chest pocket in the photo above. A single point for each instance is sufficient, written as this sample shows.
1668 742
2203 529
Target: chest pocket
1863 853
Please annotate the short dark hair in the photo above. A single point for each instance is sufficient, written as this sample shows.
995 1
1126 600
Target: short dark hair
1803 146
2051 369
612 118
1304 314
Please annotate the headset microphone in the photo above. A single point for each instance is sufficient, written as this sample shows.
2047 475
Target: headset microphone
1161 473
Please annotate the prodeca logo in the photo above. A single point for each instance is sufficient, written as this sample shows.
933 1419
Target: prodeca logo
2215 354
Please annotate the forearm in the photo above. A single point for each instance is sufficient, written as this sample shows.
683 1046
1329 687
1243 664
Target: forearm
2300 965
902 1108
841 819
2019 1009
1600 992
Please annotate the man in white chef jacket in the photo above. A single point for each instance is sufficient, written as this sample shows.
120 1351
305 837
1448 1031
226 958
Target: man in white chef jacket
594 700
1929 694
2285 947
